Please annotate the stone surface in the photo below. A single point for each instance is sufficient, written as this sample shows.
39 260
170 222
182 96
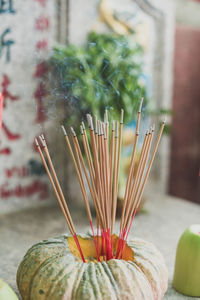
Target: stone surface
162 222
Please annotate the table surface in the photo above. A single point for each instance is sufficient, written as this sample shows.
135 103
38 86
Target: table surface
162 222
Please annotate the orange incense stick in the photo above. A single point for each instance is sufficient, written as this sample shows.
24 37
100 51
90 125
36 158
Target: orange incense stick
132 164
59 193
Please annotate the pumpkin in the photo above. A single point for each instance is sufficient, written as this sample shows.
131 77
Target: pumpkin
53 270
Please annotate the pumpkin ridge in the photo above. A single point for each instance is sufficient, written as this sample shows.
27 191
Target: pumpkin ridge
99 270
82 289
152 257
60 283
25 266
39 245
127 290
47 270
110 276
78 280
27 256
100 274
35 273
89 269
60 273
122 271
151 279
94 280
135 268
42 243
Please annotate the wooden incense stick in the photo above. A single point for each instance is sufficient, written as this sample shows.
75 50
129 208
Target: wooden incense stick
79 173
88 149
101 171
59 193
110 173
111 164
106 172
80 161
95 199
92 189
66 215
132 164
117 170
150 164
137 181
114 199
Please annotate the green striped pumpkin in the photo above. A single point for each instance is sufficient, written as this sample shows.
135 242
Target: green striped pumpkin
52 270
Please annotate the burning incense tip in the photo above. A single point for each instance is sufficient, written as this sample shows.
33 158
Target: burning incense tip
91 123
42 141
36 142
164 121
140 107
122 116
113 125
153 127
147 132
117 130
106 117
73 132
104 130
137 132
96 127
83 125
64 131
99 127
88 120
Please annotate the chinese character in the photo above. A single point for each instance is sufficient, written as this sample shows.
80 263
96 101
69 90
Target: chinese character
42 23
6 6
39 94
7 95
11 136
5 151
42 45
42 2
5 44
41 70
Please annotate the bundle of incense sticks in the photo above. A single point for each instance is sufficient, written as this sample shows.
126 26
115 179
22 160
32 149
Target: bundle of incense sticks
99 164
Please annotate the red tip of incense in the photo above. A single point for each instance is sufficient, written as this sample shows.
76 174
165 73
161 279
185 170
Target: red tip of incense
95 241
79 247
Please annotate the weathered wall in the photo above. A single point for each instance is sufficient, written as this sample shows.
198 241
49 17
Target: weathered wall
28 29
185 140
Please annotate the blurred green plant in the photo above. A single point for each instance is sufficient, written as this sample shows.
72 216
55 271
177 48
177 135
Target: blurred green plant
106 72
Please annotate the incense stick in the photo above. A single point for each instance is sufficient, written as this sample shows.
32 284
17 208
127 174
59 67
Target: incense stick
88 149
59 193
132 164
114 199
100 168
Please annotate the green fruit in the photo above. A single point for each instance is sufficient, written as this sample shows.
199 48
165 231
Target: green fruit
6 293
187 267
